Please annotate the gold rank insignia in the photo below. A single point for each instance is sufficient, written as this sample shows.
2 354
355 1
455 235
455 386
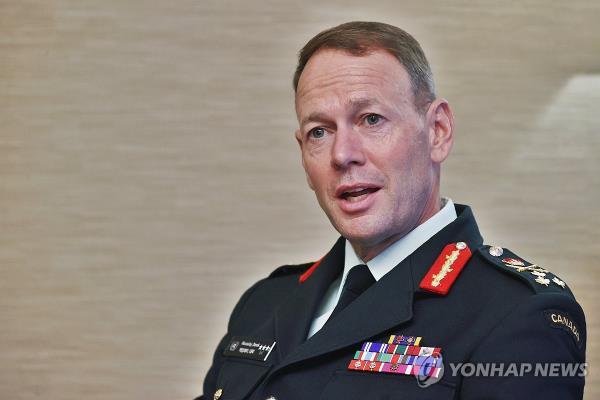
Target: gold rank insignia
519 269
558 282
218 394
542 275
542 281
537 268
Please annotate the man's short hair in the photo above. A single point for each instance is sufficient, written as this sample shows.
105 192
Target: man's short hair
361 38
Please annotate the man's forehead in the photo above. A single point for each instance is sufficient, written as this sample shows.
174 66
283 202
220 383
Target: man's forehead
336 76
332 62
338 68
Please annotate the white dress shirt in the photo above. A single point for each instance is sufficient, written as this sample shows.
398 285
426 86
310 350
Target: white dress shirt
384 262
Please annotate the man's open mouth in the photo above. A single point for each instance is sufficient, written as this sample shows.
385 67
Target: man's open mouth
358 193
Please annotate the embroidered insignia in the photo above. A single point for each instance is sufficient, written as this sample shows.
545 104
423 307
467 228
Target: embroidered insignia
446 268
537 268
562 320
513 262
542 281
519 269
539 272
558 282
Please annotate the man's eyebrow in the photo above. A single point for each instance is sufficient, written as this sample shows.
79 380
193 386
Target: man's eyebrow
355 104
362 102
313 117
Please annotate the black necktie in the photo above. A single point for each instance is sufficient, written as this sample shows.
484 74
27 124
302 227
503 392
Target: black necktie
358 280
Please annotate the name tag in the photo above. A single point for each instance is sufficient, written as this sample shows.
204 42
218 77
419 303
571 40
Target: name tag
249 348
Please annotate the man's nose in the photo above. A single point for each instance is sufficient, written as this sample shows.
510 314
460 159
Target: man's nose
347 148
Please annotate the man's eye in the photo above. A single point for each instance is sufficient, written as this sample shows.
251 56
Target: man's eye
317 133
373 119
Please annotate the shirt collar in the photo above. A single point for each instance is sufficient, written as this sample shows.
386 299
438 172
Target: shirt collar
385 261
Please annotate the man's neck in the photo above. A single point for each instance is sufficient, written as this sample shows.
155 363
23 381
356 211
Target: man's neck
368 252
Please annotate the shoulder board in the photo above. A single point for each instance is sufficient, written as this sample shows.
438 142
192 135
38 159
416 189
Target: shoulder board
538 278
290 270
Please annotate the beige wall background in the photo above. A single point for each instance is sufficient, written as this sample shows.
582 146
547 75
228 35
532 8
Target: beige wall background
149 174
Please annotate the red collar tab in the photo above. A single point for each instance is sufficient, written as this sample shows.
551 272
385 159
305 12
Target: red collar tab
444 271
309 271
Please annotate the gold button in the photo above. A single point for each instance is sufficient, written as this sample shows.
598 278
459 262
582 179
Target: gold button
218 394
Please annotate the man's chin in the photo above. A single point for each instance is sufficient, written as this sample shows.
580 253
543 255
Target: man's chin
360 233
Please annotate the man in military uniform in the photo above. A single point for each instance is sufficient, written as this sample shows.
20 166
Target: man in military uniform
409 302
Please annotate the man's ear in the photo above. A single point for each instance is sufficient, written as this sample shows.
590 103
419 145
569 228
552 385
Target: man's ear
298 135
440 121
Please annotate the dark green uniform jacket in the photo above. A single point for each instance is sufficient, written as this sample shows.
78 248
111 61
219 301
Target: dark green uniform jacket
497 318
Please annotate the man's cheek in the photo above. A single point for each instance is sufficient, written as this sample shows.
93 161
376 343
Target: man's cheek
311 177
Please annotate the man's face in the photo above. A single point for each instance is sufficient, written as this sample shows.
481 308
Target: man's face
365 147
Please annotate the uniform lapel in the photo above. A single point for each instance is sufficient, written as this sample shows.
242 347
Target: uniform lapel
293 318
384 305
